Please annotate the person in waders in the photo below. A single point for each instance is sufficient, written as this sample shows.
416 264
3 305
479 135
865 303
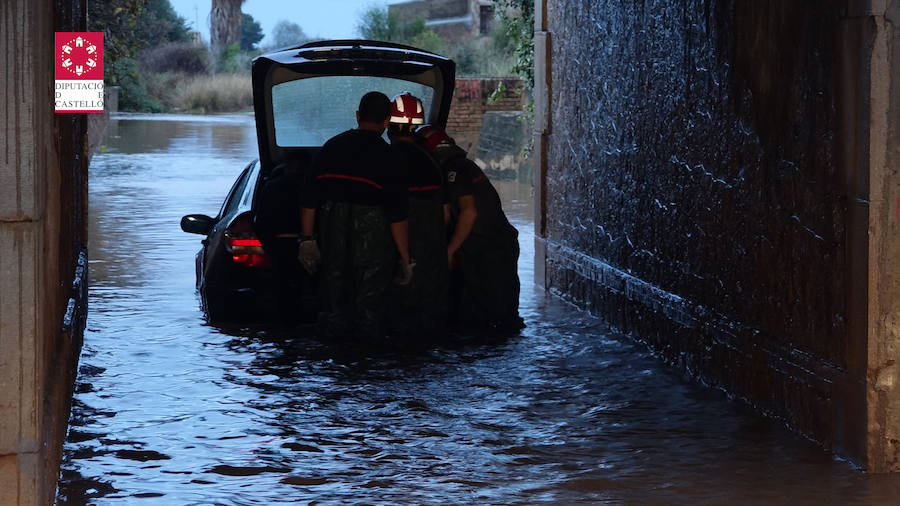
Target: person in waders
483 247
357 198
419 309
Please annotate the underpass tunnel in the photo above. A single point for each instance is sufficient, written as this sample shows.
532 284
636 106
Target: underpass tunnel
718 177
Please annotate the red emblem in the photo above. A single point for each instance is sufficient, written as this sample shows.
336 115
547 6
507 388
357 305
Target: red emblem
79 55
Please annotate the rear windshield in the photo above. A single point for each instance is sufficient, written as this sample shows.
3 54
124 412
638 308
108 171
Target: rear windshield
308 112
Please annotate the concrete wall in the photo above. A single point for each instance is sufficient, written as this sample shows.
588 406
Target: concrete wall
704 182
502 145
43 171
883 20
431 9
453 20
454 33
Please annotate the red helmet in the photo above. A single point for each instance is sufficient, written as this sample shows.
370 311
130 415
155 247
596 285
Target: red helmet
434 137
406 109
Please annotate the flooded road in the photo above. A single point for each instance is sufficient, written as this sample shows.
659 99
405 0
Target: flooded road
171 411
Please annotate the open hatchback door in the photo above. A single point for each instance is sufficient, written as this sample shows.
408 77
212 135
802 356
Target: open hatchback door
303 96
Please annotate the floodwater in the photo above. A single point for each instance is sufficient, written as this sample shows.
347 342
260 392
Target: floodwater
172 411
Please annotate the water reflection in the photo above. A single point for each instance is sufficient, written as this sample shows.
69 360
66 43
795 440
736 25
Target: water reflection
173 411
181 134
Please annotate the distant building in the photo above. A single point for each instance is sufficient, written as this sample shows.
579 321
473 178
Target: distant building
453 20
196 38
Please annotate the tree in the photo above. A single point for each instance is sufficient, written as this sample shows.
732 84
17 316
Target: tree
287 33
380 23
251 33
224 25
517 17
159 23
129 26
377 23
117 22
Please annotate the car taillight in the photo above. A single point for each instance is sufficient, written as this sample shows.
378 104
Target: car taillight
244 247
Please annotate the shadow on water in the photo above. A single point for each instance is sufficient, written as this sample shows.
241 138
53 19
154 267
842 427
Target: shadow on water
170 410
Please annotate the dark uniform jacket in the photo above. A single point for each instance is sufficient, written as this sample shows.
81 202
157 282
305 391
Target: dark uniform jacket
358 167
423 174
465 177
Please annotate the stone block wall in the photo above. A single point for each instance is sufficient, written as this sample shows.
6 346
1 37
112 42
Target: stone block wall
704 184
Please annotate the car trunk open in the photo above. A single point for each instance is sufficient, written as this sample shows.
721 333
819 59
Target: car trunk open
305 95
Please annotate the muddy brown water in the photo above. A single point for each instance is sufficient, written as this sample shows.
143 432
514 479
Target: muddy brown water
169 410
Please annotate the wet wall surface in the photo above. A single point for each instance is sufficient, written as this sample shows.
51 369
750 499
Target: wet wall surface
171 411
694 192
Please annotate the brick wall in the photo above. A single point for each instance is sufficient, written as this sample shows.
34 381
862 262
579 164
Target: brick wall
470 102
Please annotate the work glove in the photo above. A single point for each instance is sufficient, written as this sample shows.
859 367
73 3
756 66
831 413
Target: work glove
404 272
308 255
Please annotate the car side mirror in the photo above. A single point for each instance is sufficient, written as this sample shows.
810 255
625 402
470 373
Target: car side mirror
197 224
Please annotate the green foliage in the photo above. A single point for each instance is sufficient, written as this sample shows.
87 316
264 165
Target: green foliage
117 20
483 56
183 57
287 33
376 24
497 94
494 55
129 26
163 87
132 89
379 23
251 32
517 18
231 52
158 22
429 41
171 73
235 61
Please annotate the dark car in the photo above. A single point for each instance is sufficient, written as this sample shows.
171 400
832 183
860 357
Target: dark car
302 97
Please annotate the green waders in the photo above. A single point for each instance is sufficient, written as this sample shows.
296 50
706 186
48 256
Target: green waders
358 261
489 282
419 309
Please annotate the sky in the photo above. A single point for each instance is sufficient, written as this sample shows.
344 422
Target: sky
330 19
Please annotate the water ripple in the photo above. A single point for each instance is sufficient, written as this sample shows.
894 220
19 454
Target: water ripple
169 410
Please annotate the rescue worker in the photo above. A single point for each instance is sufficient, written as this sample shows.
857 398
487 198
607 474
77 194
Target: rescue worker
419 309
357 197
483 248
